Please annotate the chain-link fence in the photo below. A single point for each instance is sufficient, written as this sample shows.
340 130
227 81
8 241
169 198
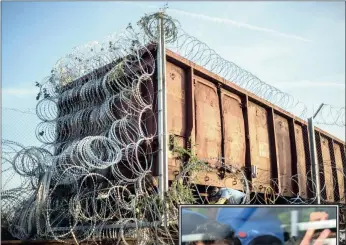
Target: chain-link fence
18 125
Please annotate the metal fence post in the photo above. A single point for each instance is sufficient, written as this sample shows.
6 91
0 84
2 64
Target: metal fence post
159 109
294 223
313 156
162 113
164 94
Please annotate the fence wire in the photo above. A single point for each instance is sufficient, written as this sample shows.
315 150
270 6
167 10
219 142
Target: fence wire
331 115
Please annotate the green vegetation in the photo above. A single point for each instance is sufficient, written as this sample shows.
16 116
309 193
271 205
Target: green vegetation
181 191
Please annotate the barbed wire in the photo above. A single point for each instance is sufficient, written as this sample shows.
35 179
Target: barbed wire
201 54
331 115
93 177
116 210
90 158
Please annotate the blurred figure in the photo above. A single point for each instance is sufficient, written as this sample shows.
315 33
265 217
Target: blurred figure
214 233
225 196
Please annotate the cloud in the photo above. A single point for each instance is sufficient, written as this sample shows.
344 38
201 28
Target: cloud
239 24
20 91
19 97
310 84
223 20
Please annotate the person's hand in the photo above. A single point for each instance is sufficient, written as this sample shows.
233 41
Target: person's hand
316 216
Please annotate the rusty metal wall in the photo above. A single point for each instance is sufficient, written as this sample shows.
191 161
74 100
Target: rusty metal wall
225 121
303 159
260 143
208 121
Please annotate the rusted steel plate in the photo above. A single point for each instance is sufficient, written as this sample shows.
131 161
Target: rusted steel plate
327 169
301 161
234 129
175 164
339 171
234 133
284 163
176 116
343 157
212 179
208 121
207 131
260 151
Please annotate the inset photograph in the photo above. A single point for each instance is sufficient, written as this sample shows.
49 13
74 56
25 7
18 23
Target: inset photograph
258 225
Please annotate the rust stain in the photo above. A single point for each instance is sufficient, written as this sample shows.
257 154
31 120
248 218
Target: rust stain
263 149
208 121
327 167
340 171
301 161
234 129
259 134
211 179
284 155
176 105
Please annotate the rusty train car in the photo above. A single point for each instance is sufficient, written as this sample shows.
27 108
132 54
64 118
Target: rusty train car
226 121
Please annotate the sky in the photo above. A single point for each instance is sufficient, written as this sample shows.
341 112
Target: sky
298 47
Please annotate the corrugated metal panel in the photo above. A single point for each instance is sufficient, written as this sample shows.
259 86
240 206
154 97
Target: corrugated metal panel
340 171
302 152
284 163
176 118
234 128
327 169
208 121
260 151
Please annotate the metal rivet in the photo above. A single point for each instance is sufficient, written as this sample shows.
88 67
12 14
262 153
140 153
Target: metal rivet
172 75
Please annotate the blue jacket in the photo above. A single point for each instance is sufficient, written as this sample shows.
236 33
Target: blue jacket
254 222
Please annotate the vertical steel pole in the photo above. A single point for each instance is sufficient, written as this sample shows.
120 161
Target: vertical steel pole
164 106
314 160
313 155
160 110
162 113
294 223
